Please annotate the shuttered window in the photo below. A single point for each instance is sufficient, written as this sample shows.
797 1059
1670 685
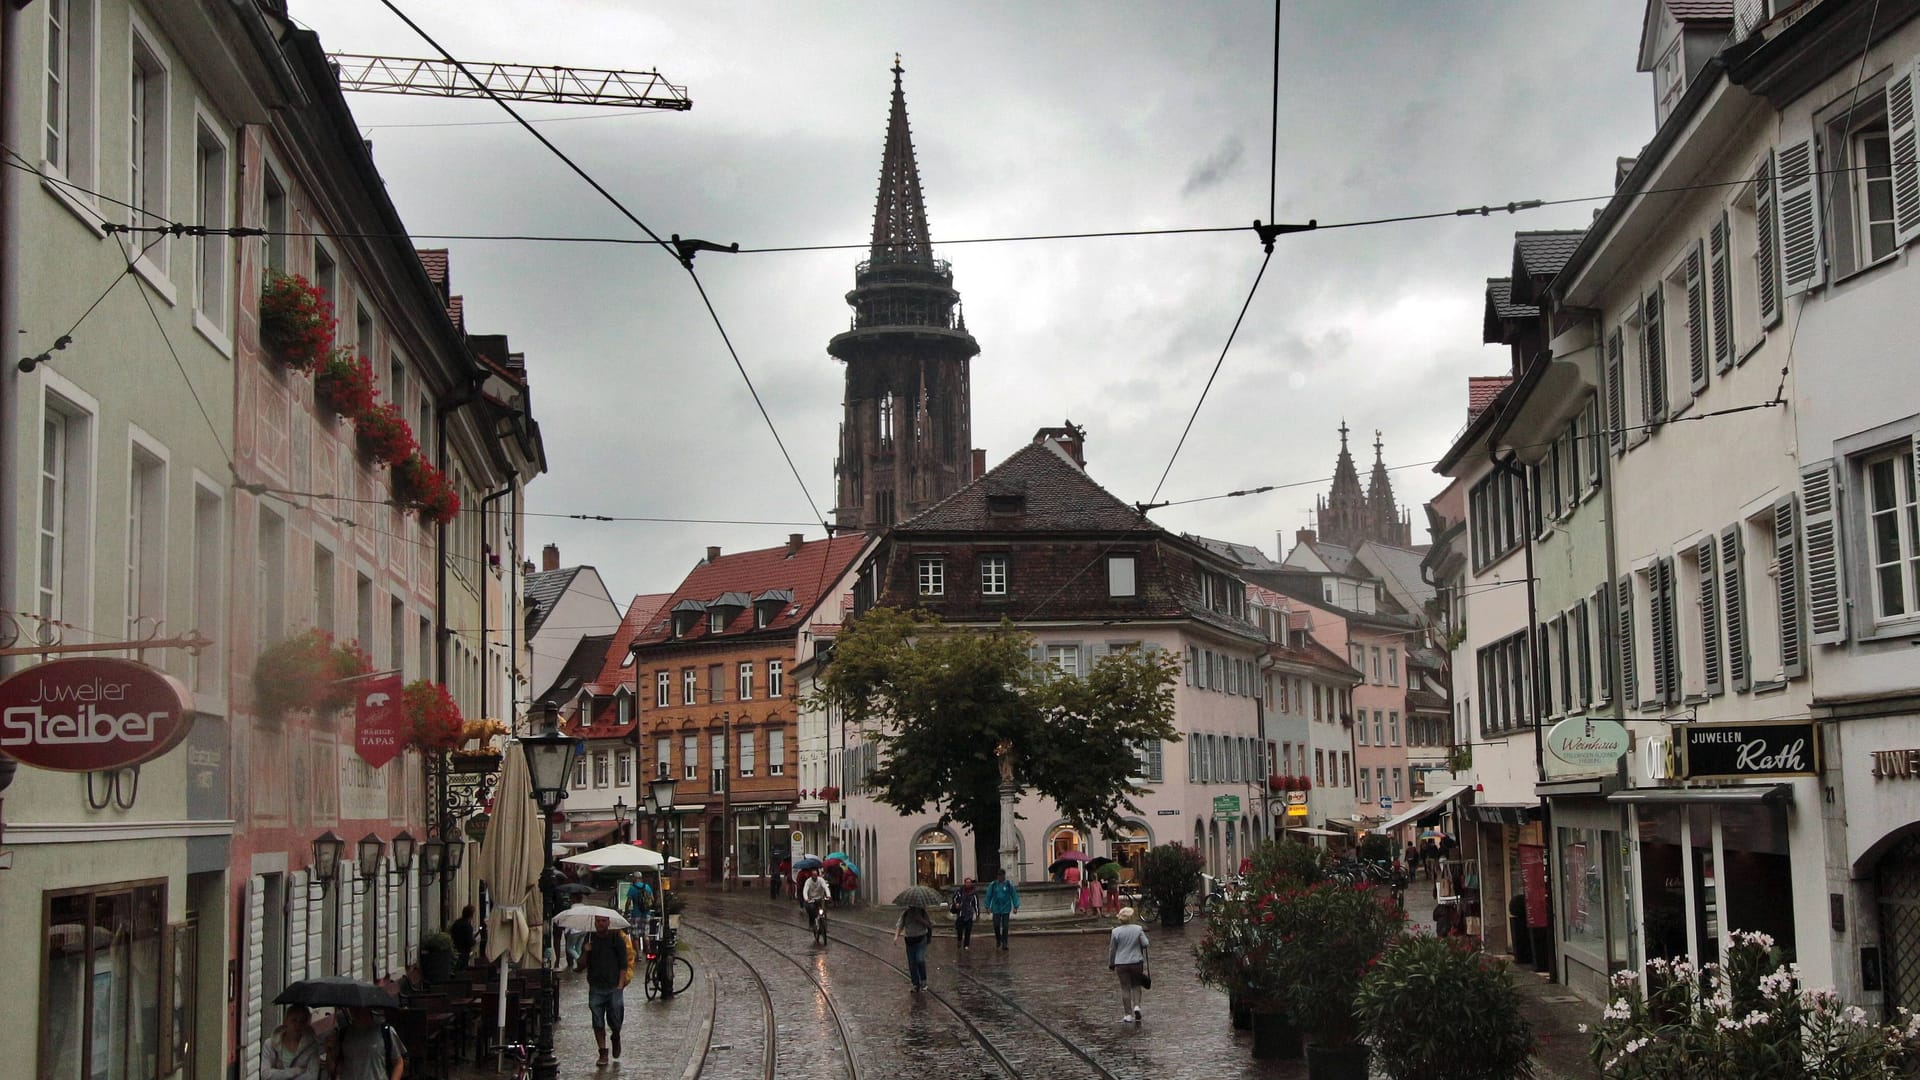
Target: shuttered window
1826 594
1603 638
1733 596
1623 629
1710 656
1786 550
1799 208
1697 365
1720 286
1593 450
1903 148
1616 393
1583 652
1766 253
1657 628
1653 360
1669 639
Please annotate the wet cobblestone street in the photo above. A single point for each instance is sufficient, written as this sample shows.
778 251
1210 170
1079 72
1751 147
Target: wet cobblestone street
1046 1007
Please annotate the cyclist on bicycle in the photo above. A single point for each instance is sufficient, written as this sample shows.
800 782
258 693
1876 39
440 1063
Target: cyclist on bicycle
816 892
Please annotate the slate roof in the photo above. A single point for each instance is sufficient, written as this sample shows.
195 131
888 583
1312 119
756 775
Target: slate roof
581 668
1537 258
1059 498
1502 312
542 591
1403 565
815 567
1338 557
1239 554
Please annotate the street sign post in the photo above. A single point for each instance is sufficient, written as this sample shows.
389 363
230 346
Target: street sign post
1226 806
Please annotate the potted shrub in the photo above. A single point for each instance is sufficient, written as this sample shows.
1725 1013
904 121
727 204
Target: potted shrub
1436 1009
436 956
1326 937
296 321
309 671
384 435
431 715
344 384
1169 874
1276 867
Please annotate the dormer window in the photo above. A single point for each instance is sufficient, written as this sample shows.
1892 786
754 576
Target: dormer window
722 610
717 621
767 605
687 615
1007 504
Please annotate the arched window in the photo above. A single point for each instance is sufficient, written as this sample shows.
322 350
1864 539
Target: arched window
933 859
1129 840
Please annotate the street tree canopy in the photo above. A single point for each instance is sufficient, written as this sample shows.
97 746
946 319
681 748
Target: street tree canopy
945 703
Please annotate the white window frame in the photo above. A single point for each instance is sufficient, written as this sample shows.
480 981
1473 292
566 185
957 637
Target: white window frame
663 757
276 216
212 253
689 686
746 680
145 594
1907 558
993 575
69 119
662 688
747 762
716 762
776 752
776 678
623 768
149 152
600 768
690 754
930 571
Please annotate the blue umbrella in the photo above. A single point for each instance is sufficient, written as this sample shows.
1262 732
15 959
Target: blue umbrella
844 862
841 855
807 863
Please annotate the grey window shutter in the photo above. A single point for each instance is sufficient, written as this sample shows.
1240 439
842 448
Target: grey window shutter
1616 394
1697 365
1657 634
1796 169
1193 758
1710 655
1826 586
1623 630
1786 551
1603 635
1903 149
1733 598
1157 762
1594 452
1670 641
1653 360
1583 645
1766 245
1720 272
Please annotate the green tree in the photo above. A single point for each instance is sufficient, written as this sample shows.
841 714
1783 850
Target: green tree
948 704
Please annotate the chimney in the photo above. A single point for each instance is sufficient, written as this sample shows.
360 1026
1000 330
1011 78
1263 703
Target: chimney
794 540
550 557
1305 536
979 464
713 554
1070 438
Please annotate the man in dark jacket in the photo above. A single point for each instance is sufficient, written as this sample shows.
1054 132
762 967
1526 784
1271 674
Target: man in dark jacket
608 960
462 933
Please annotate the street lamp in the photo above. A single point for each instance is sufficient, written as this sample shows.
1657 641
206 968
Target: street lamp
621 813
433 856
403 845
371 847
327 849
660 797
549 756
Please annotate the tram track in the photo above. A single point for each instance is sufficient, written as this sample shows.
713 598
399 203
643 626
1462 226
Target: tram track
851 1056
993 1048
766 1003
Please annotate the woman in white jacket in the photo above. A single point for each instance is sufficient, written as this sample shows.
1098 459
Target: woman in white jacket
1127 958
292 1052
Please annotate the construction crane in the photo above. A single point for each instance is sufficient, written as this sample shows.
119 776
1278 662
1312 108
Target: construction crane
514 82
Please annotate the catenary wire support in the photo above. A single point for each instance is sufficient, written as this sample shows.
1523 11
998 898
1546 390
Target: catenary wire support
1269 233
685 250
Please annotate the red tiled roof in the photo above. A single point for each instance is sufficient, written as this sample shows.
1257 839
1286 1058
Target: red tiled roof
457 311
1482 390
605 721
1314 654
435 260
805 572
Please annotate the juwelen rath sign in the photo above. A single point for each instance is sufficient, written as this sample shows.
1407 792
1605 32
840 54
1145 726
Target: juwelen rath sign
1766 748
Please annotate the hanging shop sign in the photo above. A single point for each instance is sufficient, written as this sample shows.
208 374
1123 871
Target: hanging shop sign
91 714
1296 798
378 723
1297 810
1737 751
1589 744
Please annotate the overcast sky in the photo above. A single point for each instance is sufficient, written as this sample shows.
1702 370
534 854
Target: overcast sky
1027 119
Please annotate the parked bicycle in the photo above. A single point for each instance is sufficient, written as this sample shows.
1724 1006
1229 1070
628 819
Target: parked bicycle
667 972
1395 877
1215 892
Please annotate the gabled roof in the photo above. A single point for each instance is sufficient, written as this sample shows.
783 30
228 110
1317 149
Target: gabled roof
614 672
578 673
1400 567
1707 15
1312 654
1537 258
1246 555
1059 497
807 571
543 591
1502 310
1337 558
1483 390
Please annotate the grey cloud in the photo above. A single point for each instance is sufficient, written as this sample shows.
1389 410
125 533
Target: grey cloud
1215 167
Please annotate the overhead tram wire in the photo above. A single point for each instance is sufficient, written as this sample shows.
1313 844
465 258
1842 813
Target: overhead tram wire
682 251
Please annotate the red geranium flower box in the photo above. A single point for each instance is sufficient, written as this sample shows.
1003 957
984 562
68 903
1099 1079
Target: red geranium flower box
296 321
384 435
344 384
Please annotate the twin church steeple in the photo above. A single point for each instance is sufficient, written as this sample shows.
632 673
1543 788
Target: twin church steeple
908 428
1348 516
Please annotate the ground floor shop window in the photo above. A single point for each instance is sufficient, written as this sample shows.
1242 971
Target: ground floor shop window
1588 906
1707 870
101 1015
1130 841
933 853
690 847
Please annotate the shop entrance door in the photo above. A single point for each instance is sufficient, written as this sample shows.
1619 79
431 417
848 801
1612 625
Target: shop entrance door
716 849
1897 879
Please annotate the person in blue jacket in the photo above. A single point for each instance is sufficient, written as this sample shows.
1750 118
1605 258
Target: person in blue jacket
1002 901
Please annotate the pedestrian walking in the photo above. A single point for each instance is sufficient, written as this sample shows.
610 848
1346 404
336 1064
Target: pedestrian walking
1127 958
1411 857
608 958
917 927
292 1052
779 877
965 907
367 1048
1002 901
462 934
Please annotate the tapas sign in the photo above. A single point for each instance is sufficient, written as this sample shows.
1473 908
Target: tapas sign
92 714
1767 748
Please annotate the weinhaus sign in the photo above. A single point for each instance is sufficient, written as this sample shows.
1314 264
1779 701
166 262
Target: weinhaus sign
92 713
1737 751
1588 744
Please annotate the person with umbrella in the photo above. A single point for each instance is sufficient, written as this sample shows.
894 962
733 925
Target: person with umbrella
608 959
917 927
292 1052
367 1048
1003 899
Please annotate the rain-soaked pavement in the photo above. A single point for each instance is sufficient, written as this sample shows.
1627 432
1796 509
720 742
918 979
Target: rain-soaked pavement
1046 1007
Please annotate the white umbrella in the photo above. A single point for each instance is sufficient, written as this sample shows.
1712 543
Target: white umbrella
579 918
512 856
619 857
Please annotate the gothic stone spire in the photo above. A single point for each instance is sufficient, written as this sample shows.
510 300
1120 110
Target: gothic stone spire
900 213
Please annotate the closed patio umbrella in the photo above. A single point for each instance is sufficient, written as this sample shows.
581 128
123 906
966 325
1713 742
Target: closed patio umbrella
512 856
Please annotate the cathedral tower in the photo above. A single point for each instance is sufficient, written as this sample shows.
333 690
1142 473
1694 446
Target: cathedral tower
908 428
1349 516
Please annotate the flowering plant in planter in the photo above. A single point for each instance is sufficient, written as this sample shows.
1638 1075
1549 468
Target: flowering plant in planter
417 484
296 321
383 434
1436 1009
1326 938
1169 873
1276 782
1303 782
829 793
309 671
344 384
431 715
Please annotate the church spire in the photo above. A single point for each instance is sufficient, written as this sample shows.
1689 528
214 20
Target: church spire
900 213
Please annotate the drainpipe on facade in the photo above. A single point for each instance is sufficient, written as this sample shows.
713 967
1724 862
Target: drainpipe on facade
1536 707
14 379
486 631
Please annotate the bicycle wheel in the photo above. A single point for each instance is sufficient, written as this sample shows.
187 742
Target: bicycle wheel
650 981
682 974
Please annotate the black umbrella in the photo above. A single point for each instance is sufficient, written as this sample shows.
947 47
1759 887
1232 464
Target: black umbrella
573 889
338 991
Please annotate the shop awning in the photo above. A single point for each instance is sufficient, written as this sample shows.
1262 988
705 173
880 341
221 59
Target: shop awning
1310 830
1434 805
1502 813
1345 827
1743 793
588 832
